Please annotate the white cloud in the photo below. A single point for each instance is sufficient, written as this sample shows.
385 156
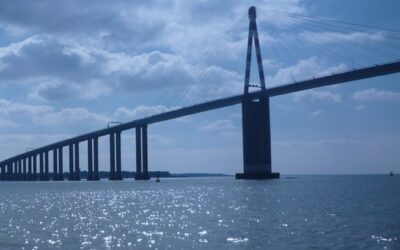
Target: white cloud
12 144
56 69
7 123
304 69
8 108
71 116
337 37
317 95
377 95
141 111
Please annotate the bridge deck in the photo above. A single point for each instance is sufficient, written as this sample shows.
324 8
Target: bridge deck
358 74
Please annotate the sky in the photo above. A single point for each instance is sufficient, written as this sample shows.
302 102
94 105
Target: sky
70 67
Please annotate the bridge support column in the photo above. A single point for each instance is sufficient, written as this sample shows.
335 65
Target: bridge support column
41 167
34 174
20 175
2 172
256 141
55 167
118 174
71 174
24 172
90 159
30 171
96 176
77 170
17 173
138 175
46 166
60 164
141 154
145 173
112 157
9 171
21 170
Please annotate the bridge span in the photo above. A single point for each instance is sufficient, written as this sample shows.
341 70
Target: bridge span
255 120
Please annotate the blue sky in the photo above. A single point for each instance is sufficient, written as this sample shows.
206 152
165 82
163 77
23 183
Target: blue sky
69 67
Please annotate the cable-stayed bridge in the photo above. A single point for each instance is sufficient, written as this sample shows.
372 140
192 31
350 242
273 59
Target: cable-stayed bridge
35 165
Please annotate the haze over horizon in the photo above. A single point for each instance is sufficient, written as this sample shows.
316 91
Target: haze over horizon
68 68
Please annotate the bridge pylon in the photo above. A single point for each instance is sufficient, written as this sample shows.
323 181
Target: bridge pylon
255 117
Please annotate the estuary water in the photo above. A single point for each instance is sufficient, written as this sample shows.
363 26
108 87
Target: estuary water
299 212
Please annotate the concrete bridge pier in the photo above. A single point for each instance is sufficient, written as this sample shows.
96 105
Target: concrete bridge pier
90 159
3 172
30 170
34 174
55 165
96 176
24 170
256 141
71 175
141 154
93 159
21 170
73 161
10 171
115 156
112 157
41 167
60 164
77 169
46 166
118 173
16 172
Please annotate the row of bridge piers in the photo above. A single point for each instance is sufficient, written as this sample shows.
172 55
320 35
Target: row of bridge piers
35 166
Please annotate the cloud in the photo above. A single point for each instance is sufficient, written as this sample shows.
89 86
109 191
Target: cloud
317 95
58 70
71 116
218 125
304 69
377 95
7 123
13 109
141 111
338 37
13 144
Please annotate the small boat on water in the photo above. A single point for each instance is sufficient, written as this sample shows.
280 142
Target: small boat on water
391 173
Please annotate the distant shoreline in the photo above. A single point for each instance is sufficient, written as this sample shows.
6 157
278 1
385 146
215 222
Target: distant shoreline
152 174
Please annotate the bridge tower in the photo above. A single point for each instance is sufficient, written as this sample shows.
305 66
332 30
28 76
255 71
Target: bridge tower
255 117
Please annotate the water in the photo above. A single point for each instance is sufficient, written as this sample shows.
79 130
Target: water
304 212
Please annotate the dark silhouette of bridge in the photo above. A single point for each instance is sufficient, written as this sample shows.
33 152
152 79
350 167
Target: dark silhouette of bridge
34 164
